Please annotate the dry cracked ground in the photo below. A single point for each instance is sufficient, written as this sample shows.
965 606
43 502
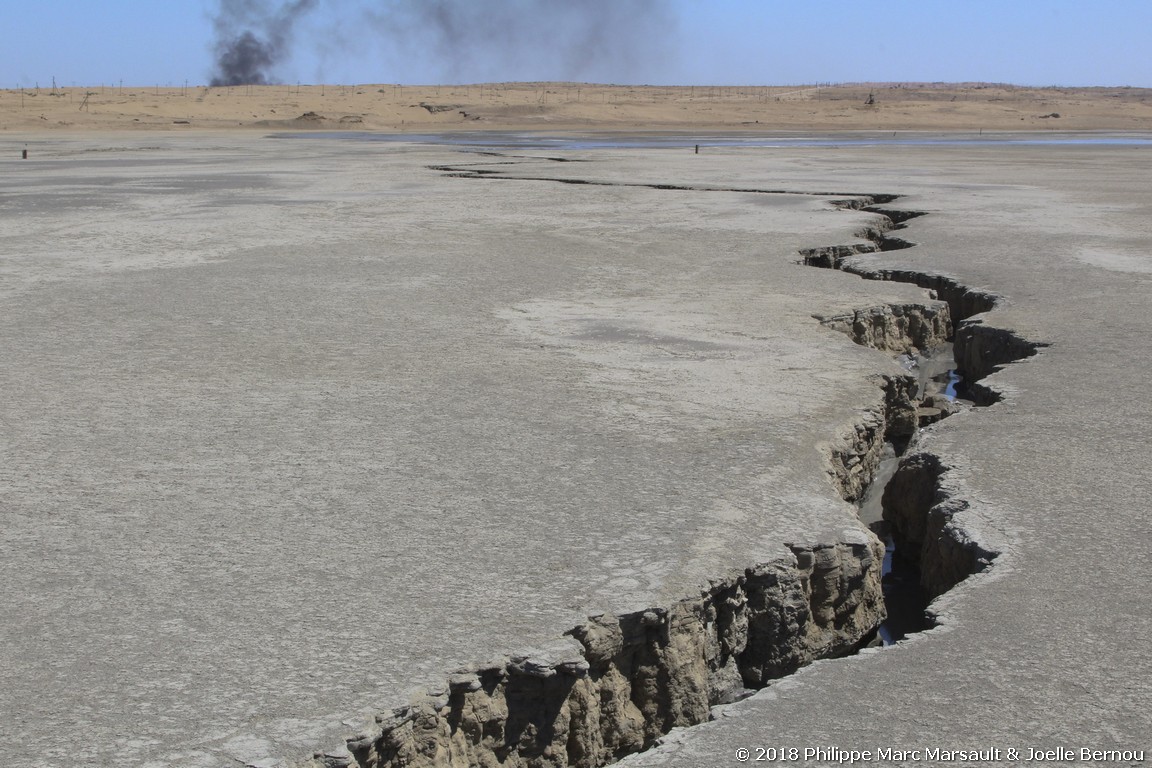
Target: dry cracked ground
316 451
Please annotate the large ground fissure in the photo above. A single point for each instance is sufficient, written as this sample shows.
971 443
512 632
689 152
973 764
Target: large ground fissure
614 685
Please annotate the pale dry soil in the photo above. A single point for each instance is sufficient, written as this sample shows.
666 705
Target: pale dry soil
1050 648
293 428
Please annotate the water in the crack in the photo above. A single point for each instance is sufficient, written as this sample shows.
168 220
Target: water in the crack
951 381
871 509
935 370
903 597
941 389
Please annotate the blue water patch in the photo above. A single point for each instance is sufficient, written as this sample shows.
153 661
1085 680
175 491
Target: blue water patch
499 140
954 380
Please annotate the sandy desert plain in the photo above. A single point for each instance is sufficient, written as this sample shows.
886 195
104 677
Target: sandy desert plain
325 451
577 106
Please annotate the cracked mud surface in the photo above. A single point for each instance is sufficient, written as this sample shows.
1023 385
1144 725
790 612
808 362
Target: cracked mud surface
1019 657
306 432
635 678
670 338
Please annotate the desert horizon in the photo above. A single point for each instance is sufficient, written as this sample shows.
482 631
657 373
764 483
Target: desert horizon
573 106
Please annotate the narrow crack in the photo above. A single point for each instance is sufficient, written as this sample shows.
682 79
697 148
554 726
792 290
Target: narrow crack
615 684
465 171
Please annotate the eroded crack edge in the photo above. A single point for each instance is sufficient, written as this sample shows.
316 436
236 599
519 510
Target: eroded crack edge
615 684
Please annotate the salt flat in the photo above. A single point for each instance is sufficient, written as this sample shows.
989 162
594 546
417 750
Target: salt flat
293 428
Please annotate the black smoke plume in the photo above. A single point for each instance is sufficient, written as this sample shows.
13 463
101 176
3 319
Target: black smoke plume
252 37
530 39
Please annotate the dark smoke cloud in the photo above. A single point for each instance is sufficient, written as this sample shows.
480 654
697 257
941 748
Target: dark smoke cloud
543 39
252 37
459 40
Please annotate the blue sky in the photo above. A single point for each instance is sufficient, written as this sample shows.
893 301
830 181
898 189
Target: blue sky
755 42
